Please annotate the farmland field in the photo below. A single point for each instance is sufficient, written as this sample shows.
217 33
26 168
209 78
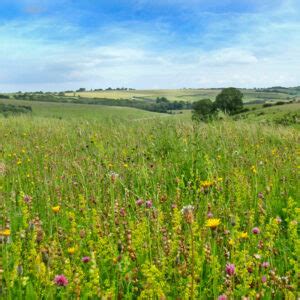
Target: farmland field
119 203
190 95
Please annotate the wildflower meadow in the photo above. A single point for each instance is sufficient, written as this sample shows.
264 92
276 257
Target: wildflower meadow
160 208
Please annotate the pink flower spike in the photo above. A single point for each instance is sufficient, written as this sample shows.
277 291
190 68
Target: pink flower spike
230 269
61 280
264 279
222 297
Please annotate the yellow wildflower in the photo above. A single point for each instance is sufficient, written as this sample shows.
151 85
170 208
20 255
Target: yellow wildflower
71 250
213 223
253 169
206 184
231 242
5 232
243 235
56 209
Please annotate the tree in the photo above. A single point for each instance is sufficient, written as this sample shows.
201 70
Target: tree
229 101
203 110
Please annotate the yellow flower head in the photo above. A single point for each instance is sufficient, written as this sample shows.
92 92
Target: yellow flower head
71 250
253 169
56 209
5 232
213 223
243 235
206 184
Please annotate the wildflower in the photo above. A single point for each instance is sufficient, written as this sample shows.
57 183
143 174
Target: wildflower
222 297
27 198
231 242
86 259
264 279
206 184
139 202
61 280
260 195
243 235
56 209
122 212
278 220
5 232
149 204
213 223
257 256
209 215
255 230
253 169
71 250
230 269
188 213
265 264
113 176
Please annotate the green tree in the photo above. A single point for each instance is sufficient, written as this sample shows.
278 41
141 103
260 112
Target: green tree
229 101
203 110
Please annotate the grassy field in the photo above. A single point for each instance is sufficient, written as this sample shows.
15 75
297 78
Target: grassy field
119 203
83 112
190 95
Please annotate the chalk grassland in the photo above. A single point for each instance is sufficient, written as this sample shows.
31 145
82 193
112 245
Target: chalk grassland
189 94
153 209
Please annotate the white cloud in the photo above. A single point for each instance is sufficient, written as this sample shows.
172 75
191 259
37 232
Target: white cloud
263 51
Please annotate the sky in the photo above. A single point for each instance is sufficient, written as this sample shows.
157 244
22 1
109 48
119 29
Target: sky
56 45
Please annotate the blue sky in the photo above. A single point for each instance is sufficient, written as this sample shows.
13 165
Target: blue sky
67 44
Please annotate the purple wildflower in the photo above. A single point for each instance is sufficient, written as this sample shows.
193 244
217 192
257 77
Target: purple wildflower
255 230
61 280
139 202
230 269
265 264
86 259
149 204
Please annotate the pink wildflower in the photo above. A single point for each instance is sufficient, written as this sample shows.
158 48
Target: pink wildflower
255 230
149 204
86 259
230 269
139 202
61 280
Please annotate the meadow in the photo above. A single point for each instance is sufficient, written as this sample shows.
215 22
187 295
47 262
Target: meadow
117 203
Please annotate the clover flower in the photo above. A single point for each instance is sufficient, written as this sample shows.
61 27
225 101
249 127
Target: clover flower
230 269
61 280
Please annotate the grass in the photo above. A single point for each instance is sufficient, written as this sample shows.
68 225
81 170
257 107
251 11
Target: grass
157 206
83 112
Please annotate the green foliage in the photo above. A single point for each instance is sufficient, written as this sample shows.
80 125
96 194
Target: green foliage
229 101
203 110
9 109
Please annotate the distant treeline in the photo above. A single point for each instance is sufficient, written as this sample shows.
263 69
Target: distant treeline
9 109
161 105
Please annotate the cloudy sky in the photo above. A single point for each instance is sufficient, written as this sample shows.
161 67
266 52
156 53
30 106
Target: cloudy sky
67 44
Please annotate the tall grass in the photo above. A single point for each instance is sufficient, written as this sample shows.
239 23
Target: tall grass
140 201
